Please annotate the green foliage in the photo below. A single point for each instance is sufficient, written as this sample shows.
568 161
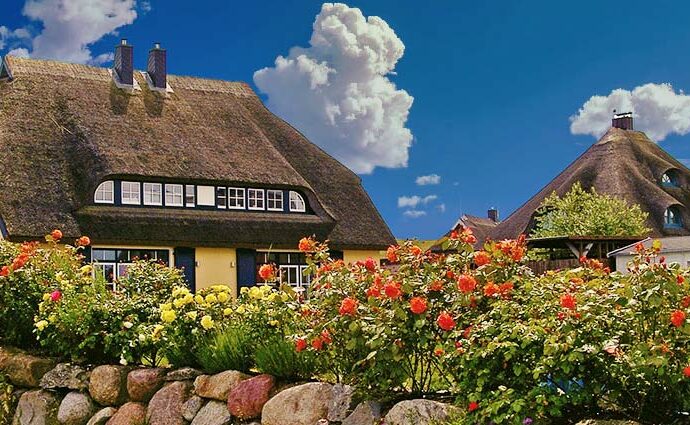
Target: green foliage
7 401
587 213
277 356
231 348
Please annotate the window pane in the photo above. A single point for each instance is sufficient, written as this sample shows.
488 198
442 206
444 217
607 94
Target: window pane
221 197
274 200
236 198
163 257
105 193
256 199
103 254
152 194
189 195
131 193
173 195
297 203
206 195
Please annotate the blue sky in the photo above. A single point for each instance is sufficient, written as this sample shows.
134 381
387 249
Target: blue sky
494 83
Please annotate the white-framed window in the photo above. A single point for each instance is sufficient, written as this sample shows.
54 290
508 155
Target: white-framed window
189 195
153 194
206 196
112 264
274 200
222 197
297 203
255 198
131 193
173 195
236 200
105 193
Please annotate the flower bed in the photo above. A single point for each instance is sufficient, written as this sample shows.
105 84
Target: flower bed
473 327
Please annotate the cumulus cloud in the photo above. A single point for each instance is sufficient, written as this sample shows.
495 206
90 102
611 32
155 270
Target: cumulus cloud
337 91
70 27
441 208
428 180
414 213
9 36
19 52
414 201
658 111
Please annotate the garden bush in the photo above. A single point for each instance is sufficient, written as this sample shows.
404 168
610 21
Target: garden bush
277 356
230 348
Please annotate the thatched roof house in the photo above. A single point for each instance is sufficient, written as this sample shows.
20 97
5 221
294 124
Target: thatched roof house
622 163
140 160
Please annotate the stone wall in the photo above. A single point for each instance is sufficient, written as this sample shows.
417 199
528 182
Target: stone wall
51 393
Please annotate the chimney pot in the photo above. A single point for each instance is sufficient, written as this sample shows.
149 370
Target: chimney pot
623 121
124 63
157 68
492 214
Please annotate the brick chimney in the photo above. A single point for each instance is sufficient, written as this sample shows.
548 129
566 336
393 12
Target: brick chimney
492 214
623 121
124 62
157 68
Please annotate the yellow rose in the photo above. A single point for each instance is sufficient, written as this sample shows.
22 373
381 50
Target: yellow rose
240 309
227 311
165 307
168 316
211 299
265 289
128 325
41 325
284 297
46 297
255 293
223 297
192 315
274 323
87 269
244 290
207 322
199 299
273 297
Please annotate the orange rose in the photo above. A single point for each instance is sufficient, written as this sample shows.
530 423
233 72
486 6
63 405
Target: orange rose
418 305
56 235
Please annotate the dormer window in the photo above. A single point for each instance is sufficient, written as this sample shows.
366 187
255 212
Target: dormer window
672 217
274 200
105 193
297 203
131 193
255 198
153 194
670 179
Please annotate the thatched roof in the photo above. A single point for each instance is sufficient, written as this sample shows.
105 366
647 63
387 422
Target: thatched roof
625 164
64 128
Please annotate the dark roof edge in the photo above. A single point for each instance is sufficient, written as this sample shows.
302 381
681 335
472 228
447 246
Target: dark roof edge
5 71
3 229
627 247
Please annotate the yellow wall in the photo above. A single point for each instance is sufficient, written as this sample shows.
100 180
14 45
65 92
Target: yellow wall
350 256
216 266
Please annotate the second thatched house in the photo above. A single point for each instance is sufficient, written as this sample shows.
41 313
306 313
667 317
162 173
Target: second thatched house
193 172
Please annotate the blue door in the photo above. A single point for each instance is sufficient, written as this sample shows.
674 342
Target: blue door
246 267
186 260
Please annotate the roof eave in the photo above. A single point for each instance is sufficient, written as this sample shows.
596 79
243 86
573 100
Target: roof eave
5 71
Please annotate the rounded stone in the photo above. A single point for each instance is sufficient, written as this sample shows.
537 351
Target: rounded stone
76 409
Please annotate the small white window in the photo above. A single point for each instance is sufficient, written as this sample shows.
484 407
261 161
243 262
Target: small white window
297 203
189 195
105 193
274 200
153 194
131 193
173 195
255 199
221 197
236 198
206 196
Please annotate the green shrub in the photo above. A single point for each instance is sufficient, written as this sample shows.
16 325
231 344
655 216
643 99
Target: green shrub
7 401
277 356
230 348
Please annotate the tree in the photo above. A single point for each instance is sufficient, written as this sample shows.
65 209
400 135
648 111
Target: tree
587 213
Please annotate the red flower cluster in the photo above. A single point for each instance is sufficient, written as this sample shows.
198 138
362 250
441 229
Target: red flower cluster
20 261
392 290
348 307
445 321
436 285
686 371
83 241
416 251
4 271
481 258
466 283
300 345
55 296
267 272
685 302
680 279
418 305
491 289
370 264
392 254
306 244
473 406
515 249
678 318
465 235
56 235
568 301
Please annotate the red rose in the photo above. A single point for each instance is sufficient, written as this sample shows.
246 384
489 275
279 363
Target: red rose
466 283
438 352
4 271
306 245
445 321
686 301
450 274
436 285
300 345
267 272
392 254
568 301
417 251
317 343
56 235
467 331
392 290
20 261
639 247
55 296
348 307
84 241
678 318
473 406
686 371
680 279
373 291
561 315
370 264
505 288
481 258
326 337
453 235
418 305
491 289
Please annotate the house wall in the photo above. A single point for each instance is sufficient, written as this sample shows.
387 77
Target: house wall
682 258
216 266
352 255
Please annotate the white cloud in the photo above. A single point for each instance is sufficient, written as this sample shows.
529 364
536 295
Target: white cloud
414 213
7 35
70 27
19 52
414 201
337 92
441 208
428 180
658 111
